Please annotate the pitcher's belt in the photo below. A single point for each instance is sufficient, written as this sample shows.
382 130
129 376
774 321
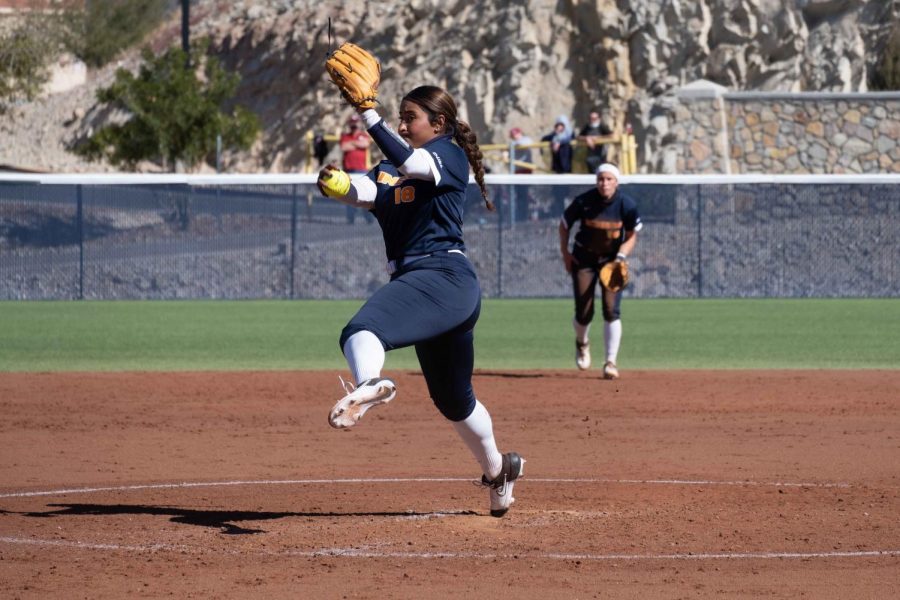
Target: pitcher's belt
395 265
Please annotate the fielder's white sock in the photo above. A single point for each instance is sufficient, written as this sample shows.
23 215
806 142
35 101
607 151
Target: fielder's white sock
477 431
612 335
581 332
365 355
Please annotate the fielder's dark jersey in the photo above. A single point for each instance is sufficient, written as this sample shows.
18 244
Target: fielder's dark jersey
603 222
417 216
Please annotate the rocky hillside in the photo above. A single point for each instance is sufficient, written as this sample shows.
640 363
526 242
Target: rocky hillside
521 62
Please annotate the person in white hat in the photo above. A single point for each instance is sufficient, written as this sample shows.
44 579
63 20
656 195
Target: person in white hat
609 222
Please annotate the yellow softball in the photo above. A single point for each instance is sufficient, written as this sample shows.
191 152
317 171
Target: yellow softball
335 183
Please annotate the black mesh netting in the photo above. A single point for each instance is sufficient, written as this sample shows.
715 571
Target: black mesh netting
286 241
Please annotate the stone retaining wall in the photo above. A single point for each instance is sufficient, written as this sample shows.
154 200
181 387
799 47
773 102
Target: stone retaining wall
716 131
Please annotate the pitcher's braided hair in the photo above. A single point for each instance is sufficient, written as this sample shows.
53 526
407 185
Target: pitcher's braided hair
436 101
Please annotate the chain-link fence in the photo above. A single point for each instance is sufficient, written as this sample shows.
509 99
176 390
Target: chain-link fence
224 238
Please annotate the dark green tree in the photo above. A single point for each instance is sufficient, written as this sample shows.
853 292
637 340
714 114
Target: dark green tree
174 110
110 26
886 75
25 55
95 35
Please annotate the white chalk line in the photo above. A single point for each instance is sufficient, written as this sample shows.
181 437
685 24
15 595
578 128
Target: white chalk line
363 553
374 480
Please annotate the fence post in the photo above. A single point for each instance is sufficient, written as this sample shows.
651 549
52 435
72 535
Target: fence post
632 153
79 225
512 188
500 205
293 236
310 150
627 149
699 241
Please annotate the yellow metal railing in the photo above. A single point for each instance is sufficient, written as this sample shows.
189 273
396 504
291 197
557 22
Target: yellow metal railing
623 145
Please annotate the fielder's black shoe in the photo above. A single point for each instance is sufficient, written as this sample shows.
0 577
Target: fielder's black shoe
501 487
350 409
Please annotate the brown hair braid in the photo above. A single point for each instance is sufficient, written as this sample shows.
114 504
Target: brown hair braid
436 101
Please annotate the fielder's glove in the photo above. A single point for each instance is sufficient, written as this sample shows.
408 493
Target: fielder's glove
333 182
614 275
356 73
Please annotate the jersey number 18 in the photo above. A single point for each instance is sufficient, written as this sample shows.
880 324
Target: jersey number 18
406 193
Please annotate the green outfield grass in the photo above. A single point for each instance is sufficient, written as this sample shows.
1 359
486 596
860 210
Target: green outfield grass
512 334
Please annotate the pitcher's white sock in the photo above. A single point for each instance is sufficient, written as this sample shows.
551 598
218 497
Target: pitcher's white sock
365 355
612 335
477 431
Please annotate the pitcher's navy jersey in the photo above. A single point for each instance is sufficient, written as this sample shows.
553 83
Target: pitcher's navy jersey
417 216
603 222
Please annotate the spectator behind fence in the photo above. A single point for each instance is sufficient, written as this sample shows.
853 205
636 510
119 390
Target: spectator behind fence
561 151
355 147
320 148
522 155
596 151
560 145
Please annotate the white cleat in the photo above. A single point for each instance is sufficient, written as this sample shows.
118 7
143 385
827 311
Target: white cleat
350 409
610 371
501 487
583 356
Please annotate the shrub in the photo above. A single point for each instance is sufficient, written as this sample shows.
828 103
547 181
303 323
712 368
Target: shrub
26 52
110 26
886 75
174 114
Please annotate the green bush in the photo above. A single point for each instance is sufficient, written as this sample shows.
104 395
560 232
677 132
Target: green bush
174 114
26 52
111 26
95 35
887 73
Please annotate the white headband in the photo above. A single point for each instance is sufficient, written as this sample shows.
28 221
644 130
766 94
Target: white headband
608 168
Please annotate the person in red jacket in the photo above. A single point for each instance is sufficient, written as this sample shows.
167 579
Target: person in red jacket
355 144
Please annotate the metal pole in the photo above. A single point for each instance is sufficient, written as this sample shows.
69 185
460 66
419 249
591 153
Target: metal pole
186 26
310 150
512 188
293 236
79 225
500 248
699 241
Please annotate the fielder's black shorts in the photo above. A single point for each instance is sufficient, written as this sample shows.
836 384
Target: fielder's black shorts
585 276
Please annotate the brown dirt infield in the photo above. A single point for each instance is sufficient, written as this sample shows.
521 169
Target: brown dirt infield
690 484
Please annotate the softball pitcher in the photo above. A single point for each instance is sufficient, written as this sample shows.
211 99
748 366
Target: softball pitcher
433 298
609 222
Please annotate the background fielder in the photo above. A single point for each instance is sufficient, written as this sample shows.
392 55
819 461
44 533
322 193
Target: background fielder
609 222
